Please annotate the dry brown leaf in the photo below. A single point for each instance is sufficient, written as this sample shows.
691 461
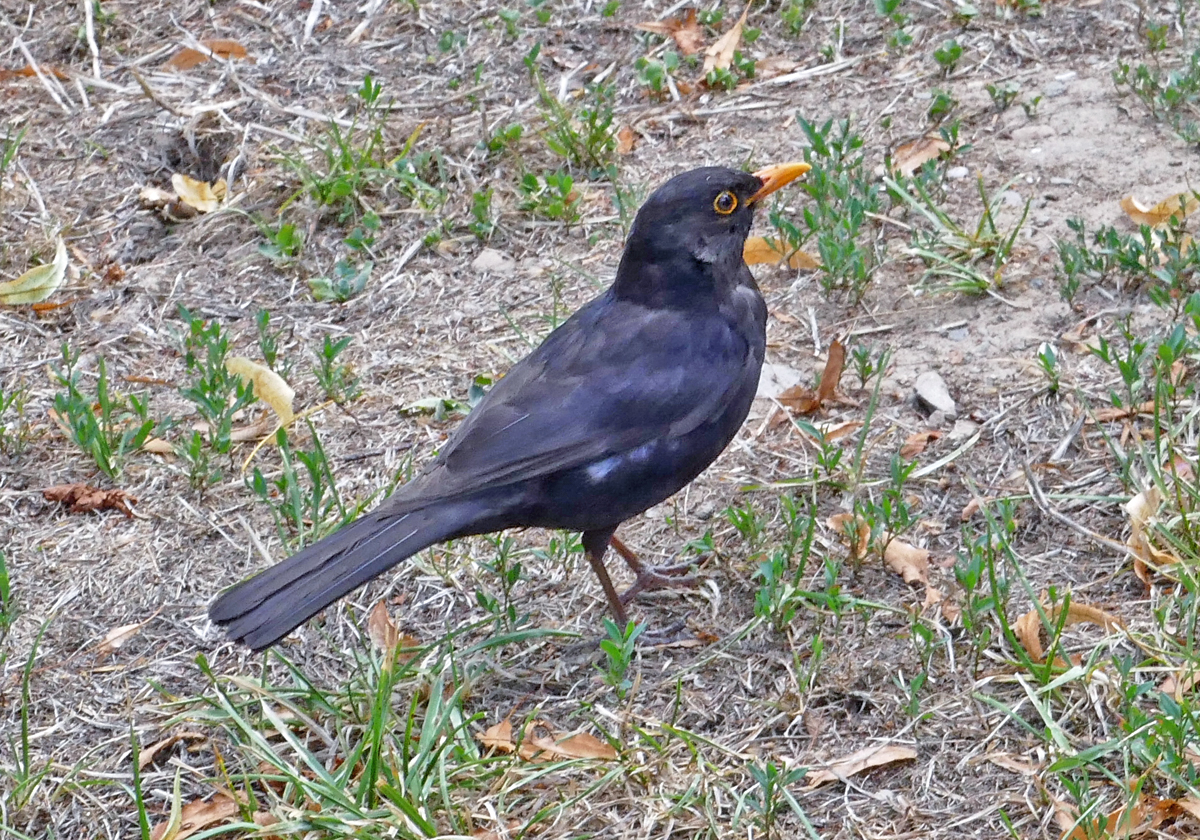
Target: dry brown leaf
28 72
759 250
832 375
1180 205
911 156
1016 765
1141 510
382 630
847 523
772 66
800 399
84 498
859 762
1120 824
147 755
118 636
39 282
197 816
187 58
541 744
908 561
1178 683
625 140
158 446
688 34
199 195
269 386
720 55
915 444
972 507
1029 626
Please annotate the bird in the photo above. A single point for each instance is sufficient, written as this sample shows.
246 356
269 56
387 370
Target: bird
620 407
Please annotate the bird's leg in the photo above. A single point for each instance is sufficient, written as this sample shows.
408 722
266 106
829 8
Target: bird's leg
651 577
595 543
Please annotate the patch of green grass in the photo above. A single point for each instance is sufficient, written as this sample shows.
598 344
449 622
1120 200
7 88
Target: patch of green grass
15 429
336 378
216 392
619 648
106 425
550 196
583 133
349 278
1171 95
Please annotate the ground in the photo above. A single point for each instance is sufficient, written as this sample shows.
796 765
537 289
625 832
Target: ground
105 647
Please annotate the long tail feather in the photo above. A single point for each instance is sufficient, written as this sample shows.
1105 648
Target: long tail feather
262 610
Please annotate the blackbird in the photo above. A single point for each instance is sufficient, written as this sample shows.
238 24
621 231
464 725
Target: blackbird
620 407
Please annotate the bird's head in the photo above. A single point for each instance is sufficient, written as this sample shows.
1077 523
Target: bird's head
692 229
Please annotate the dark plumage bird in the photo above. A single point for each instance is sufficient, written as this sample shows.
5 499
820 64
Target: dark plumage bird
619 408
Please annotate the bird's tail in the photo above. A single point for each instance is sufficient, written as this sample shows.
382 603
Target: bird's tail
263 609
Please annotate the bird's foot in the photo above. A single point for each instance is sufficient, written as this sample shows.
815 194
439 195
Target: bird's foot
676 632
649 578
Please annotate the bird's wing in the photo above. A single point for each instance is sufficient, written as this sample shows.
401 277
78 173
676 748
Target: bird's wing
613 377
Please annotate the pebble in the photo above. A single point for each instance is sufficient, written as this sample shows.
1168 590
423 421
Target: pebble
1054 89
957 173
932 393
491 260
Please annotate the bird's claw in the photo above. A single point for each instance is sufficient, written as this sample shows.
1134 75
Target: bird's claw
650 578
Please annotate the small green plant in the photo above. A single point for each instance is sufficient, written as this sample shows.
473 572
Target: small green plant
655 74
216 392
794 15
510 17
336 379
362 237
284 243
303 497
727 78
968 259
552 196
14 424
503 140
8 150
1004 94
947 55
1047 360
610 8
619 649
483 222
941 104
117 426
771 794
348 280
8 609
584 135
866 362
1030 107
510 571
268 343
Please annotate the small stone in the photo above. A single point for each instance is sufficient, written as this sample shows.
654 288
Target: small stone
958 334
933 395
492 261
1062 182
1053 89
962 430
775 379
957 173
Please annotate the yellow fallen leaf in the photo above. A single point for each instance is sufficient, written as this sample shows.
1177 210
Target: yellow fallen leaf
720 55
37 283
760 250
269 386
859 762
205 197
1180 205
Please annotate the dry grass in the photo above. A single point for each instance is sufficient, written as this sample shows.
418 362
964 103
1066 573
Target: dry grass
699 717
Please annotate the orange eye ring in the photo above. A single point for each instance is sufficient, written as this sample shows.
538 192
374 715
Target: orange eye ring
725 203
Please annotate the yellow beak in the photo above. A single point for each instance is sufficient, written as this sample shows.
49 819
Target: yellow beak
779 175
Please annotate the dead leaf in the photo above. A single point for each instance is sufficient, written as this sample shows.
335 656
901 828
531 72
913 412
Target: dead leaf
846 524
625 140
1118 825
972 507
382 630
118 636
541 744
269 386
908 561
859 762
27 72
759 250
1147 558
203 197
1029 626
688 34
158 446
911 156
39 282
832 375
1179 683
720 55
772 66
1014 764
1180 205
84 498
915 443
197 816
147 755
187 58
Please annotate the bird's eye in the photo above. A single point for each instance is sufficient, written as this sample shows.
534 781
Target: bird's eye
725 203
